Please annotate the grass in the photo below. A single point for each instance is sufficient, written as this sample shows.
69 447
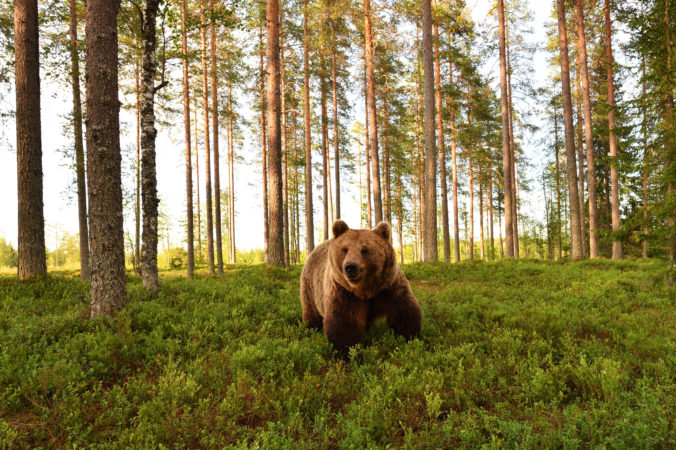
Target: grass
512 354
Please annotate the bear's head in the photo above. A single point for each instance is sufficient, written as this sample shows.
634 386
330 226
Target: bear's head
363 261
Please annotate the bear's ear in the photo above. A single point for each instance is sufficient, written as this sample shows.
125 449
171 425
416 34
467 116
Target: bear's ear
339 227
384 231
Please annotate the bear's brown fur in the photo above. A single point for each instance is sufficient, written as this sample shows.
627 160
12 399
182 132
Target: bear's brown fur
353 279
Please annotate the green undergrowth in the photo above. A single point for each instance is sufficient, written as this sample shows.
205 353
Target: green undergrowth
511 354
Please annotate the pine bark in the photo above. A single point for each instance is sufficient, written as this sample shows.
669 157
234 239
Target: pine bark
264 150
217 161
79 145
387 190
285 149
231 179
276 206
137 181
644 175
612 139
558 185
373 130
32 253
325 151
580 167
571 169
197 187
481 217
490 211
446 234
588 132
188 150
669 149
207 146
369 205
512 155
309 213
336 137
456 222
591 169
470 184
506 159
148 163
430 252
108 290
274 131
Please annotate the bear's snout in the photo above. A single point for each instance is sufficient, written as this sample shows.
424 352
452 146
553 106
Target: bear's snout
351 270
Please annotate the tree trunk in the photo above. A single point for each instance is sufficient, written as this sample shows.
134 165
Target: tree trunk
373 131
32 253
276 206
481 217
512 154
506 159
614 189
580 161
325 151
470 182
79 146
197 180
148 164
217 160
442 153
456 222
430 222
264 154
188 150
669 149
644 130
502 246
207 146
387 191
576 241
558 185
588 132
137 181
231 180
336 139
369 207
108 290
285 150
309 213
490 210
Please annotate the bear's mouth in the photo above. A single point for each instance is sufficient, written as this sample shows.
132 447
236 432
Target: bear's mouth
352 278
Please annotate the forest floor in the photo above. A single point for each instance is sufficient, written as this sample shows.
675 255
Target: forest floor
512 354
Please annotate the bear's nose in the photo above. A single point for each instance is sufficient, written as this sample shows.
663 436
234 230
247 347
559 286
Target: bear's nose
351 269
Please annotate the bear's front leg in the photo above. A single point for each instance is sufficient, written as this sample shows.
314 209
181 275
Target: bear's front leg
344 323
405 315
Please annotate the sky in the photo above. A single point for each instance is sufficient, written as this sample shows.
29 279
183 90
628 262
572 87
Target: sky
60 204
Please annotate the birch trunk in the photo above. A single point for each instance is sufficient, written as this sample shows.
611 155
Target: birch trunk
148 164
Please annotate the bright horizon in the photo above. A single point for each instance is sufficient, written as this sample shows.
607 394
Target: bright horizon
60 206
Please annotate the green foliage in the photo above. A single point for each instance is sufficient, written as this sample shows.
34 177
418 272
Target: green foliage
8 254
512 354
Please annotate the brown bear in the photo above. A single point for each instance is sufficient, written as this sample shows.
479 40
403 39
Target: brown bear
353 279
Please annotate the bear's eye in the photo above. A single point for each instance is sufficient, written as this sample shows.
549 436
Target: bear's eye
364 251
344 249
